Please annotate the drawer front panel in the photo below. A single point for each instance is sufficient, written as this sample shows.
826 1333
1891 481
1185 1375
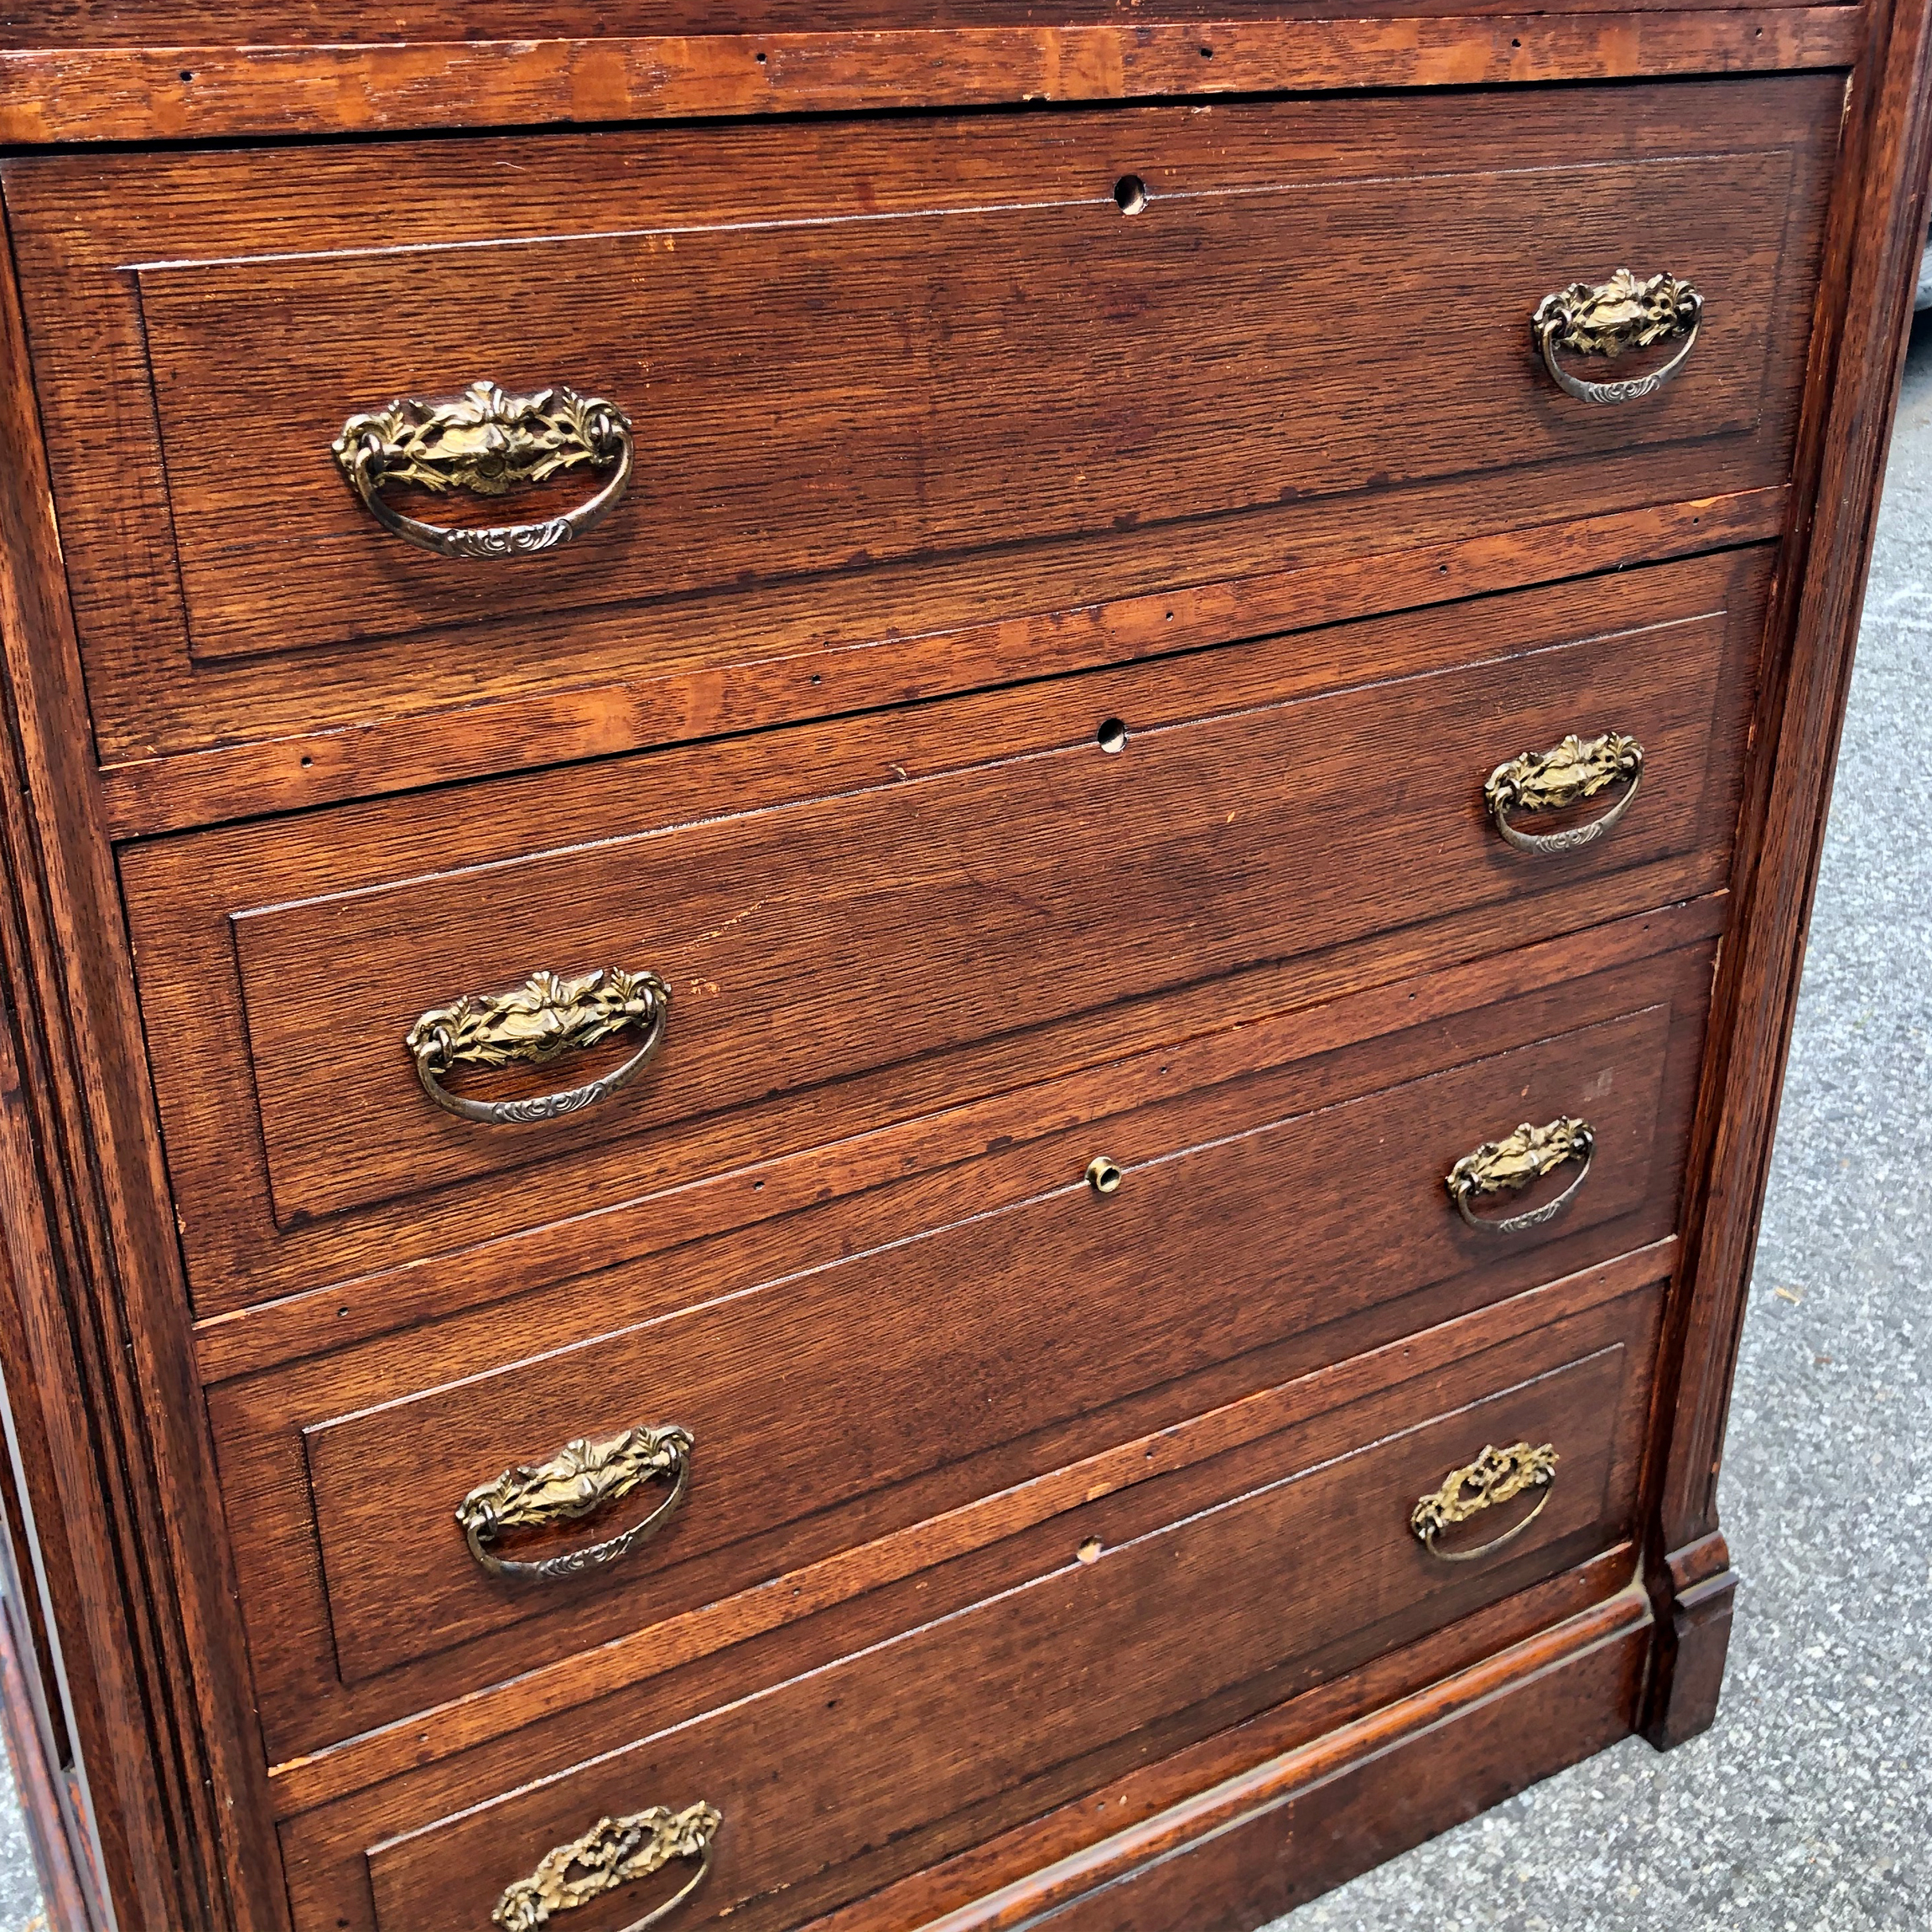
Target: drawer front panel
1312 1568
882 381
833 1402
885 891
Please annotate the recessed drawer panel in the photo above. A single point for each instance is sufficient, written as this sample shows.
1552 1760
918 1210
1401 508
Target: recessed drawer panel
882 381
856 921
1305 1563
826 1398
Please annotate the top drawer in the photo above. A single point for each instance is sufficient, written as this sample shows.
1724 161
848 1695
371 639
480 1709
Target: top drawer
886 382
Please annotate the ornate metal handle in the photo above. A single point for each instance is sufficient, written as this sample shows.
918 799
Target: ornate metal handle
582 1476
612 1853
1566 774
1612 319
1508 1165
1496 1476
486 441
544 1017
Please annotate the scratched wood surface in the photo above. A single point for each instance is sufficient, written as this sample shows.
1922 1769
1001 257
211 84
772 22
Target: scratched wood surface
1031 1334
1007 401
1057 1698
825 944
1134 1789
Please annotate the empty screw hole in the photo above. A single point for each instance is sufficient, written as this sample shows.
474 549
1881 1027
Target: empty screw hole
1112 736
187 73
1089 1551
1515 43
815 678
306 760
760 59
1207 53
1130 193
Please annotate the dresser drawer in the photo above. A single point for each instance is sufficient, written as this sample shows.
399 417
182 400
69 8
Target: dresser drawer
1216 1592
859 921
834 1397
883 380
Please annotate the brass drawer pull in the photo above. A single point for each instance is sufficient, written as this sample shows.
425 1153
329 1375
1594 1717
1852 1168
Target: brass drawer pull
485 442
1612 319
541 1019
1496 1476
1566 774
580 1477
612 1853
1508 1165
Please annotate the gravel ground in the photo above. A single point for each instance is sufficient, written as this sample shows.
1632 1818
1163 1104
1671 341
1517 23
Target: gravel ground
1807 1808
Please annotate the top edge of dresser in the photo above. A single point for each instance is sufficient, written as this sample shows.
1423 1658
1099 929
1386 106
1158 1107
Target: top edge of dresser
165 70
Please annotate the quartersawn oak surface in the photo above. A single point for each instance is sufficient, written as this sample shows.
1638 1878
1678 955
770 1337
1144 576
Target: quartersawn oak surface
1177 1556
949 880
169 1735
343 1472
816 482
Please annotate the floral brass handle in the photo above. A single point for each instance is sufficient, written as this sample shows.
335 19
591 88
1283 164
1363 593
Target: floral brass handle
613 1852
1508 1165
1496 1476
582 1476
1566 774
1611 319
486 441
545 1016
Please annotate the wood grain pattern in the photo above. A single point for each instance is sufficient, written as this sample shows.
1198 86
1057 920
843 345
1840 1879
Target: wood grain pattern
153 1663
867 463
1875 237
362 1602
198 87
1072 1698
939 385
1020 1140
1261 1845
1100 1833
825 1609
788 928
1116 1781
519 731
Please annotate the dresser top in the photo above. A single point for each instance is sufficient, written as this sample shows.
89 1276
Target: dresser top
186 70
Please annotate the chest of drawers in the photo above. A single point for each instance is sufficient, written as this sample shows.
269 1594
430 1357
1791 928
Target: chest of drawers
898 918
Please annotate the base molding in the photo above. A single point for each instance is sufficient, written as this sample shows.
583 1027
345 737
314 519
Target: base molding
1253 1847
1693 1638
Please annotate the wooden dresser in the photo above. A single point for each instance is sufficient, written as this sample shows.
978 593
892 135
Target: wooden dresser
898 914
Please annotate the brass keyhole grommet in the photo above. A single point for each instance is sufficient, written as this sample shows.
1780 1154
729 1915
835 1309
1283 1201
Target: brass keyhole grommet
1103 1175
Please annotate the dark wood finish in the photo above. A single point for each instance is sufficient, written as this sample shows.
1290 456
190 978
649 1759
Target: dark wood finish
1689 1670
516 731
764 552
1877 234
1029 1337
1020 1139
202 83
155 1675
844 936
1116 1659
821 1611
1295 1827
1174 1791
